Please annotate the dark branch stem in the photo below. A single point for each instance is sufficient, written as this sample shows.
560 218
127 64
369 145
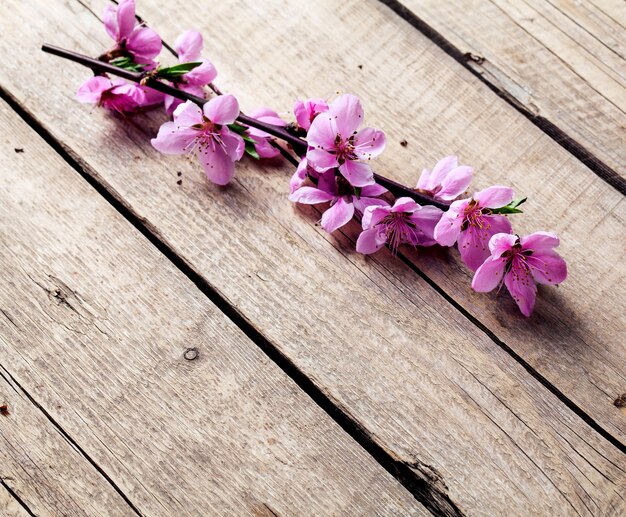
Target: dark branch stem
298 144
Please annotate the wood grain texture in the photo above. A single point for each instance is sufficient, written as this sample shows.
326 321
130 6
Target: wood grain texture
38 463
557 59
428 386
95 324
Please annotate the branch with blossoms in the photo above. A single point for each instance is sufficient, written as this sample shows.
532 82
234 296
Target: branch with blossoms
333 154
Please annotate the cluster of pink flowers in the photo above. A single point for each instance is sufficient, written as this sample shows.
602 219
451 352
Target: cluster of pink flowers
336 170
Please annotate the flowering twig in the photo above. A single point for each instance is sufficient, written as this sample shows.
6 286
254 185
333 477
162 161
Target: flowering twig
298 144
333 165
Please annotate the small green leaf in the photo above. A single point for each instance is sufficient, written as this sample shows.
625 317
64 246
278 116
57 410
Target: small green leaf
511 208
237 128
251 150
357 191
127 64
177 71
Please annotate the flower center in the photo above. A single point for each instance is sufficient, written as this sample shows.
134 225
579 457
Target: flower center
208 139
344 149
398 228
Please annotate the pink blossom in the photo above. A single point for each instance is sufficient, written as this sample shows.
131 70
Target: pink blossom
520 262
204 133
335 141
261 138
306 111
142 43
343 200
115 95
471 222
188 46
406 222
447 180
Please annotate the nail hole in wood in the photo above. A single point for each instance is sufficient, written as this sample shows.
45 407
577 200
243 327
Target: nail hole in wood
191 354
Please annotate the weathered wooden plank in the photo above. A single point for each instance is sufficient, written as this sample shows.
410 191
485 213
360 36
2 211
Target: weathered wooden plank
429 387
37 462
164 393
560 60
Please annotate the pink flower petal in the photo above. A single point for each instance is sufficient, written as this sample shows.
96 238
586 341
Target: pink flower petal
370 241
327 182
320 160
337 215
449 226
144 44
373 214
425 220
493 224
373 190
405 204
323 132
187 114
265 150
151 97
358 174
348 114
235 145
473 245
91 90
369 143
494 197
540 241
310 196
489 275
188 46
501 242
425 181
299 177
125 18
522 288
547 267
306 111
223 109
172 140
109 17
201 75
455 183
219 167
441 170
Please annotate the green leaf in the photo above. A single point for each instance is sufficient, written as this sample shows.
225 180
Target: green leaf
511 208
357 191
237 128
251 150
177 71
127 64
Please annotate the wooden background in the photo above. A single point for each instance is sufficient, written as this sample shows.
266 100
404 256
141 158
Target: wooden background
187 349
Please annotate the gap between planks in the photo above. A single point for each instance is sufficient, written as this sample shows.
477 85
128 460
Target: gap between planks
571 145
422 487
